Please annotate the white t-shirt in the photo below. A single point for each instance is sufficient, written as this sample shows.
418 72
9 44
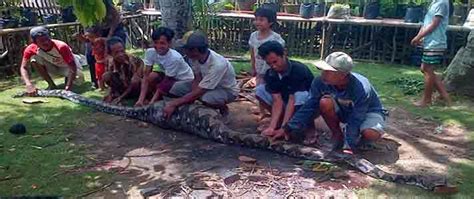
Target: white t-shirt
260 64
172 64
216 72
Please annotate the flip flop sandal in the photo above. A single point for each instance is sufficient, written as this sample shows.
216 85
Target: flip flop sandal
34 100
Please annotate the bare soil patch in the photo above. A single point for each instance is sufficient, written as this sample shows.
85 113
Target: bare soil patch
162 163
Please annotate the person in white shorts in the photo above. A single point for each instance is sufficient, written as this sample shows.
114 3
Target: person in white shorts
49 57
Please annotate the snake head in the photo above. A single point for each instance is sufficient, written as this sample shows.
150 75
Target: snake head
19 94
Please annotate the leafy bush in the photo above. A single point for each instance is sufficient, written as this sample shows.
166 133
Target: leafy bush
409 86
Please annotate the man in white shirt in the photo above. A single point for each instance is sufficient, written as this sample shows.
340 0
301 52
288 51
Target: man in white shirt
172 67
214 83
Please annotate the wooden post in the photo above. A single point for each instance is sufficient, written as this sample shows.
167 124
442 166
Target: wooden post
394 45
325 43
371 48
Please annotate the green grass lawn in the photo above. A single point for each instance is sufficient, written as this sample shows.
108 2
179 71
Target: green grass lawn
37 162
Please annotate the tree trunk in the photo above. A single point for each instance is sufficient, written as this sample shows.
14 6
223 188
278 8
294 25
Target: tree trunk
176 14
458 76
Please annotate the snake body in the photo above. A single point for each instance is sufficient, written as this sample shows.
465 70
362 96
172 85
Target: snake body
204 122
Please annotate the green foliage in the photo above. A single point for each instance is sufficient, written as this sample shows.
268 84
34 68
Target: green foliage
204 13
88 12
419 2
388 8
409 86
457 2
340 6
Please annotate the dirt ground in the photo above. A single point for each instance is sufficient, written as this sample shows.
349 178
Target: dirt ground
156 163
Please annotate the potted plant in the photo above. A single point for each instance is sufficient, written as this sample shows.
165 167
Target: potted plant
272 5
307 9
28 17
291 8
10 14
245 4
371 9
320 8
50 18
67 14
458 12
339 11
228 6
414 12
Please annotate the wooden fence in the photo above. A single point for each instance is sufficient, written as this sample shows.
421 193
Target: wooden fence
386 41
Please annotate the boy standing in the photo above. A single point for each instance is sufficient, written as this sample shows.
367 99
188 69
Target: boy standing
264 19
432 36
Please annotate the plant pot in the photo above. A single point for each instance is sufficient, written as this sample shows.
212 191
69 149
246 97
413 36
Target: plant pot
10 23
271 6
291 8
372 10
50 19
67 14
414 14
319 10
245 4
307 10
133 7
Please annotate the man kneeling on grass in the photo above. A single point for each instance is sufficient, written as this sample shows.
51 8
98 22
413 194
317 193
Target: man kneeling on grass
214 83
173 67
286 85
124 74
50 57
340 96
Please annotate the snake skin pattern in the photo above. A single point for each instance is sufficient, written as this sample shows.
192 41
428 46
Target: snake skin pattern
204 122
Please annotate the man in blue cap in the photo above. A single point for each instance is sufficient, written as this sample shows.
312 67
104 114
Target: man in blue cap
49 57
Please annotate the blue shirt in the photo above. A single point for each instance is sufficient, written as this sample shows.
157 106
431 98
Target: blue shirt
358 99
437 39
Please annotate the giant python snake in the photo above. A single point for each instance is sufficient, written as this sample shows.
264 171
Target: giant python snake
204 122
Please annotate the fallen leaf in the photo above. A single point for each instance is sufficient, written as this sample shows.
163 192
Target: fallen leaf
247 159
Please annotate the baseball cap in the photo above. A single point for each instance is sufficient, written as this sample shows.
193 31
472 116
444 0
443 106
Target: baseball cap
195 40
38 31
336 61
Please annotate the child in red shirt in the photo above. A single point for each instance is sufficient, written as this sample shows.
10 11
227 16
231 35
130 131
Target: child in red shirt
98 51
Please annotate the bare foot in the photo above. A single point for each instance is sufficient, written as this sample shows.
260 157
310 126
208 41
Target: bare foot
421 104
311 140
440 99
